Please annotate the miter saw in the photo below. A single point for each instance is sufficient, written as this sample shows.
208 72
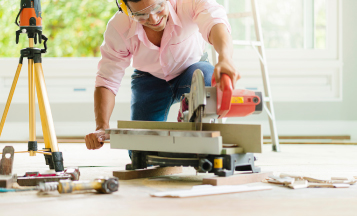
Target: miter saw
196 140
206 104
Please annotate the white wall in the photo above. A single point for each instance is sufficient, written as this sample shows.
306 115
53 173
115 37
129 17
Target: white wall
72 107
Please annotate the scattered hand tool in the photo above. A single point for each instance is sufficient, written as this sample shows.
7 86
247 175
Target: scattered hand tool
34 178
6 177
105 185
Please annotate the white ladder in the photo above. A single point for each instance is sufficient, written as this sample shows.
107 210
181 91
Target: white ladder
258 46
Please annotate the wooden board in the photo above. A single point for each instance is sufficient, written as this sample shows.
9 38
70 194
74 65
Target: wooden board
6 181
237 150
315 143
206 190
158 132
157 125
333 137
237 179
247 136
34 181
194 145
146 173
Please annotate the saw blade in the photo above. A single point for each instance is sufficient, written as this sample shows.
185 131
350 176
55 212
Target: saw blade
199 118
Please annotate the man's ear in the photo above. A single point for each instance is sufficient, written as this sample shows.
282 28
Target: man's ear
122 6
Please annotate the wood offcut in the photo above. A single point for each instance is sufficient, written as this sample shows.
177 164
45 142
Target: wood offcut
237 179
146 173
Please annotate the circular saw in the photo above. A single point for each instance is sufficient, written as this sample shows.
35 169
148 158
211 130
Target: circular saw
207 103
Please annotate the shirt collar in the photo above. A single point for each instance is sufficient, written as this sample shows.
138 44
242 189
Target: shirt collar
134 29
173 16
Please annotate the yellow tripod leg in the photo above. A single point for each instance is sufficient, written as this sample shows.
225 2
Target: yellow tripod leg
44 123
9 99
45 109
46 118
32 106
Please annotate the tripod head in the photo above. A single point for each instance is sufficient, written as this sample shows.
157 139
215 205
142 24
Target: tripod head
30 20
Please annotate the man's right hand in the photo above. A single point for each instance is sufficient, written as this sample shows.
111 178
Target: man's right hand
96 139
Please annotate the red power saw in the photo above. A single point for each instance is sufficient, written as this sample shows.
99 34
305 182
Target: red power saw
209 103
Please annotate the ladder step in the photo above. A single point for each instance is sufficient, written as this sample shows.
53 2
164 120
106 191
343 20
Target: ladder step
247 43
239 15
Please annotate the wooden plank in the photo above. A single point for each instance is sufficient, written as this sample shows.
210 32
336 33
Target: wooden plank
195 133
249 137
157 132
195 145
237 179
129 131
315 143
146 173
237 150
205 190
157 125
6 181
333 137
34 181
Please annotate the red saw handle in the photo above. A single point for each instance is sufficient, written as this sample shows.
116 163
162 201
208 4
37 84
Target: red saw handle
223 97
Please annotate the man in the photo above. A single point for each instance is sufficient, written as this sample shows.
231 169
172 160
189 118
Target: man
166 40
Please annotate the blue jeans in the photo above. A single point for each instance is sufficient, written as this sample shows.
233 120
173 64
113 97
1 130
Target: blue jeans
152 97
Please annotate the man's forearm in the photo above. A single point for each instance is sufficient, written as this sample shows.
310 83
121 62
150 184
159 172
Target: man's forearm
223 44
221 40
104 101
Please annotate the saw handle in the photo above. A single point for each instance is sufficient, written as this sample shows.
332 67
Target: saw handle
223 97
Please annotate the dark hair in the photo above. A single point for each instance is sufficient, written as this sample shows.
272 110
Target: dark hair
126 1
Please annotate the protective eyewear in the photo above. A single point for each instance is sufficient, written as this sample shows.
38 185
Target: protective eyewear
143 15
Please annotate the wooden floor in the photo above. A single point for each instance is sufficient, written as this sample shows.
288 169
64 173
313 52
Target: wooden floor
133 197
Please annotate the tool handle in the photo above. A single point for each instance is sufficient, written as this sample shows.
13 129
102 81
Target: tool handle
223 97
68 186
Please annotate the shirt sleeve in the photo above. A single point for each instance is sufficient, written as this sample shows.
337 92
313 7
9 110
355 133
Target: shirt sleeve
115 59
207 13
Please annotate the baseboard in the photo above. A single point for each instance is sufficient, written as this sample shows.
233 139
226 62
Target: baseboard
311 128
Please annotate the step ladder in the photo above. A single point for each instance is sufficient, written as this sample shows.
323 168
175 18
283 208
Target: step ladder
258 46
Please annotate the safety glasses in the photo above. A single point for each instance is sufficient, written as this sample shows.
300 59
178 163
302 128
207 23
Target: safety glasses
143 15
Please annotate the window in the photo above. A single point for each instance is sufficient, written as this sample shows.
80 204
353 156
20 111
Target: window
302 39
293 24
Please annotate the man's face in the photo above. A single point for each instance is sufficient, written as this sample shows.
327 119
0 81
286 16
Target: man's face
156 12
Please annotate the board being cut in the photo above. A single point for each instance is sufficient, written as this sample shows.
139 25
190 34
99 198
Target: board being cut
247 136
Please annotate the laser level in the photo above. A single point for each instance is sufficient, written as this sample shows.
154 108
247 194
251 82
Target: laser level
30 20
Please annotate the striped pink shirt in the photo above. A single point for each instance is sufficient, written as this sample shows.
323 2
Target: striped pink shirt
182 44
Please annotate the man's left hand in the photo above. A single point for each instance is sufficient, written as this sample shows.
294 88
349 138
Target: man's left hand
226 66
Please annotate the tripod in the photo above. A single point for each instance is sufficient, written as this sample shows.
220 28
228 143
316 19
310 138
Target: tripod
36 80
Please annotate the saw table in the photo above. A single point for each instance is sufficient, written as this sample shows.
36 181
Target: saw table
208 147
